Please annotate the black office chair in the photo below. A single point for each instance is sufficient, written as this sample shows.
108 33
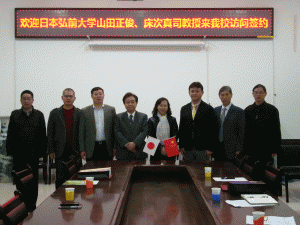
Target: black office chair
240 160
272 177
51 165
26 185
289 173
252 168
71 167
43 164
78 161
13 211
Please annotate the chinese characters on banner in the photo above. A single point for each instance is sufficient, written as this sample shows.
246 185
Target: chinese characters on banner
149 23
144 23
77 23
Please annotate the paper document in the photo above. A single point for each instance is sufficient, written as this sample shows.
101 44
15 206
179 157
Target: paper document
226 180
274 220
259 199
78 182
244 203
95 170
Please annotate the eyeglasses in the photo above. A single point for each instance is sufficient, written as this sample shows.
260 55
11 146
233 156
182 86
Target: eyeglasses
258 93
68 96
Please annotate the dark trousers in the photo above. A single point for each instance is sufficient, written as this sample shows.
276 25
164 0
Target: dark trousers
31 194
219 154
62 174
100 152
125 155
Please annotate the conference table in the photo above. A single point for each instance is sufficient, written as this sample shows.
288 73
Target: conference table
160 193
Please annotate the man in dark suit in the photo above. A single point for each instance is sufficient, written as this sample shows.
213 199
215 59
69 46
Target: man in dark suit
262 132
232 120
198 128
63 134
97 129
131 130
26 140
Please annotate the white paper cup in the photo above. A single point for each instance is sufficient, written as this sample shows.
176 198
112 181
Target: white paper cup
69 194
207 171
90 184
216 194
90 178
216 191
257 215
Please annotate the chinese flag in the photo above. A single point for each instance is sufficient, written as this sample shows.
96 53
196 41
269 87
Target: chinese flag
171 147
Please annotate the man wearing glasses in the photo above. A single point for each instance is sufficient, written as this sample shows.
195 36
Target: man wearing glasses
63 134
26 141
262 132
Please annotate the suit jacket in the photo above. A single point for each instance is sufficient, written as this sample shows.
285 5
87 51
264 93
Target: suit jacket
152 126
125 132
262 132
233 130
26 135
88 129
202 133
56 131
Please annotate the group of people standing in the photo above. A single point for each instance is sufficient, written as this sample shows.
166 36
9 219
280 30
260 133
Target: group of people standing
96 132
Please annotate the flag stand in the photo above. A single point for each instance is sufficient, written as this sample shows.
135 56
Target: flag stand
148 160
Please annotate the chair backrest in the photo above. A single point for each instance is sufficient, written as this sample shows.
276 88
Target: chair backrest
71 166
289 156
272 177
25 181
23 177
14 211
78 161
252 168
240 160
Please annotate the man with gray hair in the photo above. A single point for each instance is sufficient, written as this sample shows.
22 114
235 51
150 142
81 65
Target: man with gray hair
232 129
63 134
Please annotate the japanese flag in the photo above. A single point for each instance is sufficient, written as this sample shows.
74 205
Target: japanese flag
151 145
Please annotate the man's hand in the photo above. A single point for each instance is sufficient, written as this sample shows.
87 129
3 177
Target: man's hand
131 147
52 156
83 155
181 150
273 155
208 153
236 154
163 151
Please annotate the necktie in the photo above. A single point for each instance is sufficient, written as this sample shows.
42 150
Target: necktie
222 118
130 119
194 112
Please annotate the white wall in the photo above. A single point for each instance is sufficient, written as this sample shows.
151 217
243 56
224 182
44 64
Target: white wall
150 74
284 73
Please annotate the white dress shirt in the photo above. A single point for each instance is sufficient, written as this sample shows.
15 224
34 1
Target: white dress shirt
133 114
99 121
227 109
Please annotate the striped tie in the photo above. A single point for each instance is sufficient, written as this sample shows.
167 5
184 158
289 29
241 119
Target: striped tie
194 112
222 117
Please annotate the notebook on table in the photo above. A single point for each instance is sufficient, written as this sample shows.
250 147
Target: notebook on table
259 199
97 173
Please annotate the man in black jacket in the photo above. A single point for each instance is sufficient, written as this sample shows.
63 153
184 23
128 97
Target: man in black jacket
262 132
63 134
26 139
199 127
